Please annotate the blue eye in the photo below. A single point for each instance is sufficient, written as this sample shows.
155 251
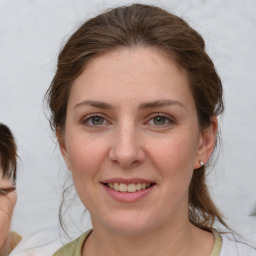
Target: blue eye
95 120
160 120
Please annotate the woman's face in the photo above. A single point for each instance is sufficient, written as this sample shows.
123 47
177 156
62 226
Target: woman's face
8 199
132 125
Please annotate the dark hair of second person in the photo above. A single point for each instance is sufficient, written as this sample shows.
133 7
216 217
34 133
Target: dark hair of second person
8 196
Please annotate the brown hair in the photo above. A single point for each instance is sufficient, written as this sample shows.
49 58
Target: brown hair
8 153
145 25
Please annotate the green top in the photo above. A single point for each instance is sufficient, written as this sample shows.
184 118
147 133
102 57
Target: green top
74 248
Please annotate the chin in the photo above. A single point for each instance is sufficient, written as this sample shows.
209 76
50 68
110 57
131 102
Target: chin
131 224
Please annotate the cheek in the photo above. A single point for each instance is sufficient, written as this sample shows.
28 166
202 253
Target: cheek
7 204
4 226
85 156
174 163
87 159
174 159
175 153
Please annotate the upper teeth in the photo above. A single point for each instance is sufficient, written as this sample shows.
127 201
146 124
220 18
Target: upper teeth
128 187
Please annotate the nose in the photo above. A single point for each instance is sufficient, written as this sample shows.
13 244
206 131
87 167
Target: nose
127 148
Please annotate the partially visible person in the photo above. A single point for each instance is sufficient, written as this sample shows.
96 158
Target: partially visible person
8 195
40 243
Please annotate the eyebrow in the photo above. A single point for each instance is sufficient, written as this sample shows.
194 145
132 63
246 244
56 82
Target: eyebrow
146 105
97 104
160 103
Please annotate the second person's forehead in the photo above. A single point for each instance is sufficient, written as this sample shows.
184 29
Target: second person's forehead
4 181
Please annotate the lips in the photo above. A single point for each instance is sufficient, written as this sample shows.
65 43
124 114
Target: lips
128 190
131 188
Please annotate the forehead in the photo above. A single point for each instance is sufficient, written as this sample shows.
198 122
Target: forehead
141 72
134 60
4 182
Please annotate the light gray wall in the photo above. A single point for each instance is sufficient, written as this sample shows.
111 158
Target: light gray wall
31 32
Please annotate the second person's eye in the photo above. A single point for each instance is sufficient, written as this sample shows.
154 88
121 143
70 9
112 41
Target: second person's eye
6 190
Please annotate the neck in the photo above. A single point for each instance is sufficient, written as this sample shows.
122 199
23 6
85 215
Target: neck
184 239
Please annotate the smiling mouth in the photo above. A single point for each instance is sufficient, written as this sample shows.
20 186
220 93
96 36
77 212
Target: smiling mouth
130 188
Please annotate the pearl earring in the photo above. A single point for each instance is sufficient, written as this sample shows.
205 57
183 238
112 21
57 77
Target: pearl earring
201 163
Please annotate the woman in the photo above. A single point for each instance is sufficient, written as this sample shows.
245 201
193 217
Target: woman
134 105
8 196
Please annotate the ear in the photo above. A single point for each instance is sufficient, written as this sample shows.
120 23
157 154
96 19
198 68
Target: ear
62 145
207 142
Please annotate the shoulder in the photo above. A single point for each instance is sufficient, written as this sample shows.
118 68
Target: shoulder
235 246
11 242
14 239
74 247
43 242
